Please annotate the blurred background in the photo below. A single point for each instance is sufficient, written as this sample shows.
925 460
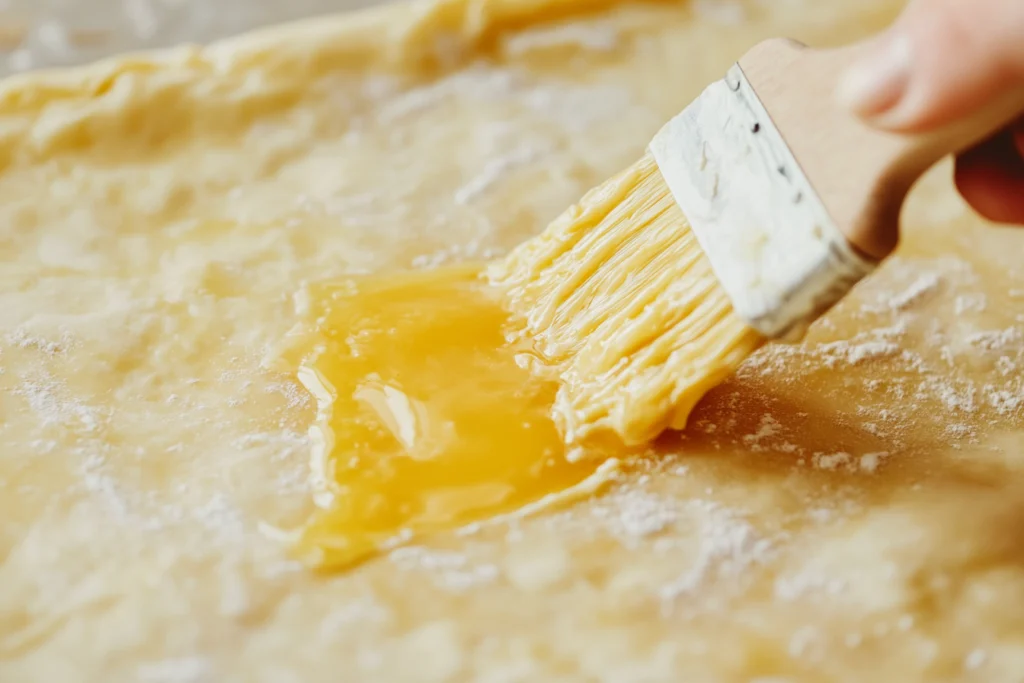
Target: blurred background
43 33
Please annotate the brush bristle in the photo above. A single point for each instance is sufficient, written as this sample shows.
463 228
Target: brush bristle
617 302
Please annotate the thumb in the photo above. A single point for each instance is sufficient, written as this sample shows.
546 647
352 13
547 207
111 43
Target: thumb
940 61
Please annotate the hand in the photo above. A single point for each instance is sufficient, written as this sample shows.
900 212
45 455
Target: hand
942 60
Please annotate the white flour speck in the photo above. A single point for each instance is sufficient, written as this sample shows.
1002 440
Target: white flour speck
1004 402
869 462
51 347
357 613
803 641
728 546
472 250
995 340
959 431
768 429
49 399
495 170
975 659
854 353
832 461
633 514
969 303
450 570
918 290
799 585
578 108
955 397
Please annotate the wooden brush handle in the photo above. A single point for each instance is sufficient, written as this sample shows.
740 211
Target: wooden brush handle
861 174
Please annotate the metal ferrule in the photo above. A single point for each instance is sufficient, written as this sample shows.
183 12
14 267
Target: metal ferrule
771 242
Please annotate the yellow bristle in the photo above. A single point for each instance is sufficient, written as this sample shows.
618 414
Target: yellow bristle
617 301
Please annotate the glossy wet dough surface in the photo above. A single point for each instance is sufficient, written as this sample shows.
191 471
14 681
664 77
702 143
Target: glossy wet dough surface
842 510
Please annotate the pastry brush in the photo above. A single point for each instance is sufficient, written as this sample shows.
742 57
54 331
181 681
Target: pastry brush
754 211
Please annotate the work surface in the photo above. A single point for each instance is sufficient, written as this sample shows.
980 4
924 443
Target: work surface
846 509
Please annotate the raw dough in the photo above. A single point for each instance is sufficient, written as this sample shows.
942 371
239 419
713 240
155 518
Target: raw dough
844 510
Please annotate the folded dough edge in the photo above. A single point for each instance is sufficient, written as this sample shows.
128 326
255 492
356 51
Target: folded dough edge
155 95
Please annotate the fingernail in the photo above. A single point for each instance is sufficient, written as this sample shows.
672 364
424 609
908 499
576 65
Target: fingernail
876 83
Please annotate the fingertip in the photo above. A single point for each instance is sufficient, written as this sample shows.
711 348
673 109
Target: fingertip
875 84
